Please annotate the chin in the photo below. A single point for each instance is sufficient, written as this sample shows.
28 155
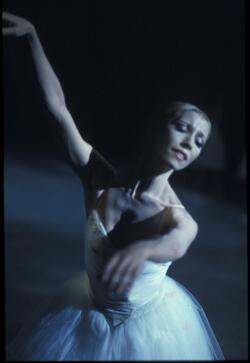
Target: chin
176 165
173 163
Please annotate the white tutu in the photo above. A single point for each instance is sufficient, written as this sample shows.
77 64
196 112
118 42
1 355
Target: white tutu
158 319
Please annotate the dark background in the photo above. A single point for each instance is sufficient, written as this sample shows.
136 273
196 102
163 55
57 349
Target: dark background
119 62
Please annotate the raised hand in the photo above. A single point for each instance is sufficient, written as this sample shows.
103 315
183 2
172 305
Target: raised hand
15 25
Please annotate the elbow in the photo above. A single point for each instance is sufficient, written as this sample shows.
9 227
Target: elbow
182 248
177 251
194 231
181 239
180 252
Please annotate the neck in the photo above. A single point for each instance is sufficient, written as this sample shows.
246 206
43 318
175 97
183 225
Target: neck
148 175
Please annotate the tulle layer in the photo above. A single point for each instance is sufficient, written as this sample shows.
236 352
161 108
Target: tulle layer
173 327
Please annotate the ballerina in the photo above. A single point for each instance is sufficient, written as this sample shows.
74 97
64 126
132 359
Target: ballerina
124 306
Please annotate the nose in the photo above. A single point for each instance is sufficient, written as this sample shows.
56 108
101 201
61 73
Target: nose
187 143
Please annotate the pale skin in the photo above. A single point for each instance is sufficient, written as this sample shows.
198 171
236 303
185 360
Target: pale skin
135 203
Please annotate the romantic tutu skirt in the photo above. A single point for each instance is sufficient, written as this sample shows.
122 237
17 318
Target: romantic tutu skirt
173 327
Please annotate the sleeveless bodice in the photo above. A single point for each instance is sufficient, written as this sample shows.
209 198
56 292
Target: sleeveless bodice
145 290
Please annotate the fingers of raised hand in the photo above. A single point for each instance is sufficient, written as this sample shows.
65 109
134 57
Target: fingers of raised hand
16 31
7 31
15 25
11 18
8 28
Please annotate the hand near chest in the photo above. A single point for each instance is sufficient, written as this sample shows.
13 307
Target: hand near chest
124 266
130 236
160 238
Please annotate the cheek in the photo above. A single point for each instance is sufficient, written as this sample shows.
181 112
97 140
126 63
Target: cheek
195 155
171 138
168 139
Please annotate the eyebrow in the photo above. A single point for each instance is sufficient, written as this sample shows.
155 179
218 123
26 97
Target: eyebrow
192 127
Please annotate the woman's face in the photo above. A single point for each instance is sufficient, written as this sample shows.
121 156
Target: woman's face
183 140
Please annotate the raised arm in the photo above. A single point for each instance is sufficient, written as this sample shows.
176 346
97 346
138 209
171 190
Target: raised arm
77 151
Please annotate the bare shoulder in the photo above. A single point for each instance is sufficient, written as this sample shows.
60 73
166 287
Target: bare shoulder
180 220
178 212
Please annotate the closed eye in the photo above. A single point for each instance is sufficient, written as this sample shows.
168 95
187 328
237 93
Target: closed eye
200 142
181 126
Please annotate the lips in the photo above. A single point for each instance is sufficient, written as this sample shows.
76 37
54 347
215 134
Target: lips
181 155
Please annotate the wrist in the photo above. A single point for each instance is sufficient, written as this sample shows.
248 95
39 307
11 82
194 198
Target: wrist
31 32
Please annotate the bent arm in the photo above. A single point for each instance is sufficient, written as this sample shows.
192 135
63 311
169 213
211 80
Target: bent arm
125 265
175 243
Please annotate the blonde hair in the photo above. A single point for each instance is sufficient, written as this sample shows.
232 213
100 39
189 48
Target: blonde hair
172 111
175 110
